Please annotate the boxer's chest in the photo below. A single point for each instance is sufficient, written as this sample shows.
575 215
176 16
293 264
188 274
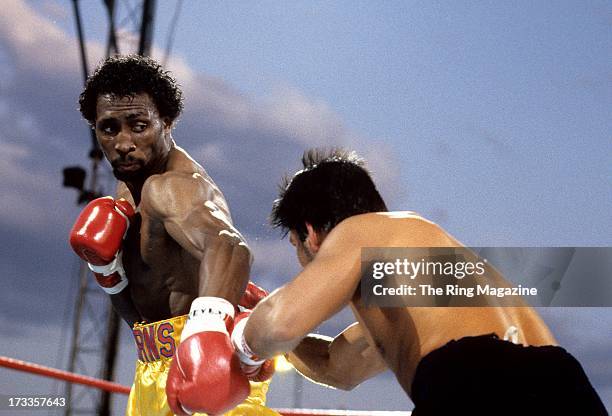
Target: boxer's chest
156 266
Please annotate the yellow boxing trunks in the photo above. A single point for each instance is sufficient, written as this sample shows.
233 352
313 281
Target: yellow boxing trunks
156 344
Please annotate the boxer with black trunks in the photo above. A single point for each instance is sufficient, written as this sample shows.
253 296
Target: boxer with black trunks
166 250
449 360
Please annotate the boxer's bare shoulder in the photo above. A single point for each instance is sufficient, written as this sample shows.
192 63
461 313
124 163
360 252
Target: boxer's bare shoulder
170 192
184 178
392 229
191 208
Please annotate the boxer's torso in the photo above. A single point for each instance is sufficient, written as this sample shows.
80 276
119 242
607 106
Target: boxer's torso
405 335
163 275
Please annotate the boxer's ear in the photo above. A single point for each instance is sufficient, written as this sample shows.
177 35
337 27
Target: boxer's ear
168 124
314 238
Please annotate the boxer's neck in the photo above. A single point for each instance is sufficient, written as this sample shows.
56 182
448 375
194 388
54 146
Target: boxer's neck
156 167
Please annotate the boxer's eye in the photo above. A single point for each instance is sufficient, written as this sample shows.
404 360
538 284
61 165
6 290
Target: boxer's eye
139 127
108 127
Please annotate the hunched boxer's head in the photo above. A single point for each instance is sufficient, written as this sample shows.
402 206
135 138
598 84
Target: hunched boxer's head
332 186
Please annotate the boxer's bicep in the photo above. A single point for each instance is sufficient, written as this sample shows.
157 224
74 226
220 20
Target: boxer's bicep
225 258
205 230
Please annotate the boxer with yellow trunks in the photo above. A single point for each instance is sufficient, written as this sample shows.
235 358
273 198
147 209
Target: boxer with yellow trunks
156 344
166 247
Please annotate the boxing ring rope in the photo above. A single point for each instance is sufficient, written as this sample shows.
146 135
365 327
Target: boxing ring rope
41 370
54 373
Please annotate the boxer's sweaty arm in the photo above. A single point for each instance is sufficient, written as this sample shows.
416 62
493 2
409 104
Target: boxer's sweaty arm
325 286
185 204
343 362
122 302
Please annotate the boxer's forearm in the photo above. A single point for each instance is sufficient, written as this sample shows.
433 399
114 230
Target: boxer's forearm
271 329
311 358
344 362
124 306
224 270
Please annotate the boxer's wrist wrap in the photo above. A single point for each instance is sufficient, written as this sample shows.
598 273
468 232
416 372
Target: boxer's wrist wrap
209 314
245 353
115 267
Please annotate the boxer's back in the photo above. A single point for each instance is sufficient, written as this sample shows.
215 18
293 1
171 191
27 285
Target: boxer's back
405 335
163 275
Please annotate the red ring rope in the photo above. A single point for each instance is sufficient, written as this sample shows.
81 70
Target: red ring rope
41 370
62 375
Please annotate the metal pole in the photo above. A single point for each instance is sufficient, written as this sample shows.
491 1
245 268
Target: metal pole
77 17
146 27
85 66
111 44
112 340
83 276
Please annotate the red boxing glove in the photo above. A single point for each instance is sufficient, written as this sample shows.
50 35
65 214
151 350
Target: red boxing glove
254 368
252 295
266 371
97 236
205 374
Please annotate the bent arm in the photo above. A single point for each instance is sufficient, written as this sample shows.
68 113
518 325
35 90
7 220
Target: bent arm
195 217
343 362
323 288
122 302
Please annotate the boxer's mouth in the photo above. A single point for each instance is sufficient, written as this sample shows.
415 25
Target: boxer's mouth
127 166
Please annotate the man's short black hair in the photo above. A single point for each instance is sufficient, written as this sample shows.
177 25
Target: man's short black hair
126 76
333 185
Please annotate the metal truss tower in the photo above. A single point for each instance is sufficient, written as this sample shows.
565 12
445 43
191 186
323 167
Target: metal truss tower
95 331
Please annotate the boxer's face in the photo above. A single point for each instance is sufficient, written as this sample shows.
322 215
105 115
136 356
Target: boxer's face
132 135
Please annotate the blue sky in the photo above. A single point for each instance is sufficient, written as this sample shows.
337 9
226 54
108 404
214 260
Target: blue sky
492 119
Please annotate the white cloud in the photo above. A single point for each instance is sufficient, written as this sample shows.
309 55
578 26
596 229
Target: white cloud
36 42
275 262
247 143
21 188
310 122
55 10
